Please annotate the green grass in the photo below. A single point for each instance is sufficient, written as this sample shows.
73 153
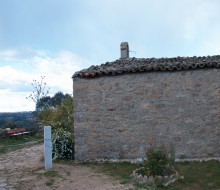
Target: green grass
197 175
7 144
49 182
50 173
51 177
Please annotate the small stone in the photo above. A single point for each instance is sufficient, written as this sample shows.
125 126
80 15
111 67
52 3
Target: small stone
3 184
136 176
169 182
140 178
173 176
145 179
165 179
159 179
151 180
2 180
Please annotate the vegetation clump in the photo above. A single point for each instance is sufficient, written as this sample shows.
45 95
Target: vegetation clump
61 120
62 144
156 163
156 169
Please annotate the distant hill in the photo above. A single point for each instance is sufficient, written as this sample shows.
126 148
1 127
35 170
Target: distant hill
17 119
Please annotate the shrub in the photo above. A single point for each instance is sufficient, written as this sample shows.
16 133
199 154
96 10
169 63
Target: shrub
156 163
61 120
63 144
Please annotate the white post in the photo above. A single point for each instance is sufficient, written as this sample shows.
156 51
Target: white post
47 147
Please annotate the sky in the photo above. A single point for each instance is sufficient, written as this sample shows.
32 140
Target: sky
56 38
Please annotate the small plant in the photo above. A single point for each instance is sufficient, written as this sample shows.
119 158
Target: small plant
62 144
172 154
156 163
50 182
50 173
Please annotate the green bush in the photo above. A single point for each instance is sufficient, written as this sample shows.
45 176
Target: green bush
61 120
63 144
156 163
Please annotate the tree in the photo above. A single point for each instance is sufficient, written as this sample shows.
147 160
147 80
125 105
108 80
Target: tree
40 90
58 98
61 116
48 102
61 120
45 103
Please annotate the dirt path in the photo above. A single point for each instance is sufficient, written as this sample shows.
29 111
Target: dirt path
24 169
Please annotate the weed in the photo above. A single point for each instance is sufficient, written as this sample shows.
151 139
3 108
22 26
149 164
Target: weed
68 173
50 173
49 182
156 162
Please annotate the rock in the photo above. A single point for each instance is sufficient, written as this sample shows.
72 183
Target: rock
165 179
158 179
170 181
145 180
173 176
2 180
136 176
3 184
140 178
151 180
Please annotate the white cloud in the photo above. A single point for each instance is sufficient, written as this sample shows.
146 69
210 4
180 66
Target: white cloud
11 75
8 54
13 102
16 79
59 69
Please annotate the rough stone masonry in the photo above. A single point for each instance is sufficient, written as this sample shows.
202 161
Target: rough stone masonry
125 107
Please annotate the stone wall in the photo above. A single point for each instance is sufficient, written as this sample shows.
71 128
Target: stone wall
120 117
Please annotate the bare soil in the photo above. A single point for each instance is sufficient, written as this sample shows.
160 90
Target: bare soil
24 169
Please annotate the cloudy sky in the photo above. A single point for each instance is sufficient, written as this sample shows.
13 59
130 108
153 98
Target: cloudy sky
55 38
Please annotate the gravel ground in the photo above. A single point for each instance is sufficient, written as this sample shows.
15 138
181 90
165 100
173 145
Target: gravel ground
24 169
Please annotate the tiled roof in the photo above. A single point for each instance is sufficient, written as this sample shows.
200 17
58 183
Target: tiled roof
134 65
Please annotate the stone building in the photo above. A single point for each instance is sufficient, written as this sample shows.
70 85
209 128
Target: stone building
124 107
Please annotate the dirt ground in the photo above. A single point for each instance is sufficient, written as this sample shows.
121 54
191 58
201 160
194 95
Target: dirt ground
24 169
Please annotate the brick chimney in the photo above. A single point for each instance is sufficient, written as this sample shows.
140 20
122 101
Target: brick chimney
124 50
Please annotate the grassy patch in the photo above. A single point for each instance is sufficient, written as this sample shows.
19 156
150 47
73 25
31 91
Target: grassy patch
49 182
65 161
121 170
197 175
51 176
50 173
21 140
7 144
68 173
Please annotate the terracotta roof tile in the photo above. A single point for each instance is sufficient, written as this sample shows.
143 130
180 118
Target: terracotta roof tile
134 65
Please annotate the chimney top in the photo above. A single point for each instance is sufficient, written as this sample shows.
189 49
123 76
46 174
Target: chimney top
124 50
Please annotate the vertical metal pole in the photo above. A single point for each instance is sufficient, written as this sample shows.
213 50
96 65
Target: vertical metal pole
47 147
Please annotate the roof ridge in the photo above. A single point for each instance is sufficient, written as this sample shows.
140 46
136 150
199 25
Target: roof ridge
133 65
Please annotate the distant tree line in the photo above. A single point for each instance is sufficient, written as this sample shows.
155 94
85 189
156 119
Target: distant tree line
17 120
